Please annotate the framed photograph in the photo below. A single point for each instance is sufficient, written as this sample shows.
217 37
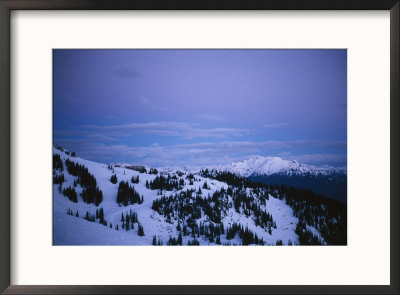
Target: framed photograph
168 148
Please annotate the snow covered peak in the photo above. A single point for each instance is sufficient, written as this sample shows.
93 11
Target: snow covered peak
275 165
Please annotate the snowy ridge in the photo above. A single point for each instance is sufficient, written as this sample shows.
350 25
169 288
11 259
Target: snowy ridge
276 165
259 165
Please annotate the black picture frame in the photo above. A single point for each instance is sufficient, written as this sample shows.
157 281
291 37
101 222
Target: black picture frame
6 6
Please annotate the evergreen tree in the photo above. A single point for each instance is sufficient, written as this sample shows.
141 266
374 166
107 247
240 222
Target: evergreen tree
153 171
101 215
140 230
127 194
70 193
90 192
57 163
194 242
89 217
58 179
114 179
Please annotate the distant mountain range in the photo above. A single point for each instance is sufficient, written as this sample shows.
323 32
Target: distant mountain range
326 180
275 165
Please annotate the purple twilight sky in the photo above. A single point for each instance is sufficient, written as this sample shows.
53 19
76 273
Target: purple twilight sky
199 107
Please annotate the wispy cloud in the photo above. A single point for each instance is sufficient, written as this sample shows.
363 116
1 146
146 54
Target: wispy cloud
79 133
170 128
211 117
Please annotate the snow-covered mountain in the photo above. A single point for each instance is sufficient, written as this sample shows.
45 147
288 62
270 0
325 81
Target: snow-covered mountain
326 180
99 204
274 165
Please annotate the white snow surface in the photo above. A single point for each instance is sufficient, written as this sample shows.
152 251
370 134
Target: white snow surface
71 230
